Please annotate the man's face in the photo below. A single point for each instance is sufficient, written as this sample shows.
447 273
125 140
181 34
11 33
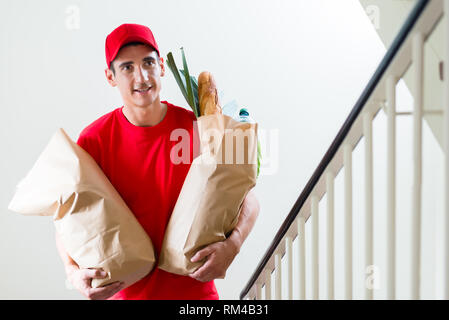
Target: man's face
138 72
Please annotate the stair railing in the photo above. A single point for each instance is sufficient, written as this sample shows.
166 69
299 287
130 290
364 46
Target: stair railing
406 51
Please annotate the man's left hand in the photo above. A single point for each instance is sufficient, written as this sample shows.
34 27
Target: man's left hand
219 257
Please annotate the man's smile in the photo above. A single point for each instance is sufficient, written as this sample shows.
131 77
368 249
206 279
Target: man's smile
142 91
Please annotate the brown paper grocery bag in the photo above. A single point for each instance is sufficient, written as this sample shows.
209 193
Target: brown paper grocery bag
97 228
218 180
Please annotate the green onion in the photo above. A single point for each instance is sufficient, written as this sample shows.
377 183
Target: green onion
172 65
187 83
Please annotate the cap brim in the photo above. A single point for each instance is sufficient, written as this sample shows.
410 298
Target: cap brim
128 40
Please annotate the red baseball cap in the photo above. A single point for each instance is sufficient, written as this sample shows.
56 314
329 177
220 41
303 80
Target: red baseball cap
127 33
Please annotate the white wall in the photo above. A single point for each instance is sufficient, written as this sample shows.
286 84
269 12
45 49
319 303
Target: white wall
299 66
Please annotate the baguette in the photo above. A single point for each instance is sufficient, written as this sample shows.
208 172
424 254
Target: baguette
207 94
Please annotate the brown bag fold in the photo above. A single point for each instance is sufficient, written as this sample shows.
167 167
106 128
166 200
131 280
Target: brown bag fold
96 227
208 205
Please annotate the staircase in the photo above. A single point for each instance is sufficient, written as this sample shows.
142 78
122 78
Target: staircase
387 17
414 56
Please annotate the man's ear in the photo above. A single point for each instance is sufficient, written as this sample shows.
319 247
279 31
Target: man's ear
110 77
161 63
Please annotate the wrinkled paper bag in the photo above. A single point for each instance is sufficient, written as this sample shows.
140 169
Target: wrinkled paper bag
96 227
218 181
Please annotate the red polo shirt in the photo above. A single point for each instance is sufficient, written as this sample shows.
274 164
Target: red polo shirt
137 162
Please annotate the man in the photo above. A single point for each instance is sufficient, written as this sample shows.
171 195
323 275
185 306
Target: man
132 146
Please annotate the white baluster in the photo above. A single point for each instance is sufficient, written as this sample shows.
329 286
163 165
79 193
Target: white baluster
330 234
315 249
446 158
302 258
258 291
417 163
278 276
391 187
368 133
288 250
347 159
267 284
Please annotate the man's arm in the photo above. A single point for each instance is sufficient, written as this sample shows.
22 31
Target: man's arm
81 278
221 254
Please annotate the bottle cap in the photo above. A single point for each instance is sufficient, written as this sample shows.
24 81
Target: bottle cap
243 112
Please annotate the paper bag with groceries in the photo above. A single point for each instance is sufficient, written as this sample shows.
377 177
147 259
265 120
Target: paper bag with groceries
96 227
209 204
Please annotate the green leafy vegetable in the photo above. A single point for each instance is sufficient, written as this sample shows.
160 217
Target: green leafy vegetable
187 83
172 65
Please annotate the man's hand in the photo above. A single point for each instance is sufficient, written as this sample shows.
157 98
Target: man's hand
81 279
219 257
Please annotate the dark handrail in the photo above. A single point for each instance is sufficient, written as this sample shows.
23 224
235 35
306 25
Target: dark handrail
372 84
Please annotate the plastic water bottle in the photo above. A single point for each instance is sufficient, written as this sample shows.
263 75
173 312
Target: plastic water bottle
244 116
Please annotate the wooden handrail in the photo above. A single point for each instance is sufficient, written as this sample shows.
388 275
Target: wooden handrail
337 142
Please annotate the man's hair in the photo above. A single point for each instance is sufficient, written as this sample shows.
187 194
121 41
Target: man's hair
135 43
